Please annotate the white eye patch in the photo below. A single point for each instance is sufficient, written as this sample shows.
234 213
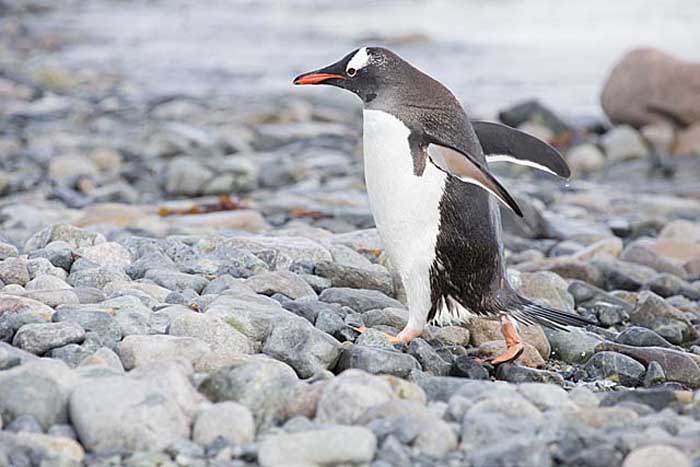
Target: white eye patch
359 60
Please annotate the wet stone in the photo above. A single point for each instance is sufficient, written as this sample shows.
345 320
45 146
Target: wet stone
617 367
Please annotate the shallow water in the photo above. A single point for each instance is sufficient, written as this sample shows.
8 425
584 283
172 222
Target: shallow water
490 53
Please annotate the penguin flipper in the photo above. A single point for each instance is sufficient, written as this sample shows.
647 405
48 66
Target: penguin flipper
502 143
466 168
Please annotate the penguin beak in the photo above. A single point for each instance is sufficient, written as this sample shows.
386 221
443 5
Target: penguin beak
322 76
316 78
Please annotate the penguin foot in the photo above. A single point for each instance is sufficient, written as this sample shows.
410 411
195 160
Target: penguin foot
514 343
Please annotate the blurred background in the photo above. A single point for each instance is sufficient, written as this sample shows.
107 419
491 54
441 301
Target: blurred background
143 102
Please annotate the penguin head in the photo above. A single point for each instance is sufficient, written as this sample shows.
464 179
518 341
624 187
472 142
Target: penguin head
363 72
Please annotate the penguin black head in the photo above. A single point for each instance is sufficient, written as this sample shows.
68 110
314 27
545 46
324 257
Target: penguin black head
365 72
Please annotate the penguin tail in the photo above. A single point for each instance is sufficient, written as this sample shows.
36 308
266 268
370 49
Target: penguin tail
528 312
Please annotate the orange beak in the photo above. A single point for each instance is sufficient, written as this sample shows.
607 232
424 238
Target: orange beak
316 78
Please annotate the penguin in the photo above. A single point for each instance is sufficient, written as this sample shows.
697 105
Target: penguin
434 199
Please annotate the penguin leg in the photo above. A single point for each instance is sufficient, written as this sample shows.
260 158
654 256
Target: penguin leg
514 344
405 336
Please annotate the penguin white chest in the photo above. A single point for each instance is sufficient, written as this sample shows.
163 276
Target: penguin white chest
406 207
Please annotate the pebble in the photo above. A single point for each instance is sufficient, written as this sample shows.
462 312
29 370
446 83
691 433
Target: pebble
331 446
118 412
377 361
284 282
348 396
359 299
39 338
135 350
656 454
615 366
229 420
303 347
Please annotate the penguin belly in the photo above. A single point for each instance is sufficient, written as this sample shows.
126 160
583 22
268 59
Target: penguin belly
406 207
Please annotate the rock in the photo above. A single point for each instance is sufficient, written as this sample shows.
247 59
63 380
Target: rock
681 367
104 357
302 346
228 420
7 251
140 350
615 366
546 396
65 169
25 423
656 454
73 354
263 385
688 140
349 395
187 176
279 252
52 450
482 331
448 335
529 358
667 89
377 361
38 388
242 219
398 318
97 278
533 111
585 159
548 289
611 246
638 253
99 324
641 337
178 281
610 315
59 254
342 275
221 337
623 143
73 236
109 255
38 338
152 260
117 412
657 399
668 285
359 299
654 313
14 271
622 274
515 373
428 359
375 339
330 446
283 282
572 346
468 367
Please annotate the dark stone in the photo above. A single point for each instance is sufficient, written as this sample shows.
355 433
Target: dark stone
102 326
597 456
468 367
533 111
428 358
309 308
681 367
377 361
359 299
656 398
655 375
514 373
615 366
610 315
642 337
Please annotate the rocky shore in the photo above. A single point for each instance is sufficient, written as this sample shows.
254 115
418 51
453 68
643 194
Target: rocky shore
181 279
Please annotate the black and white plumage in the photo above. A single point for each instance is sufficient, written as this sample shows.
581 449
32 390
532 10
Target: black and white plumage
432 195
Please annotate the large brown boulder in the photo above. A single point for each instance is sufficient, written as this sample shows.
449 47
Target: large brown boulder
649 86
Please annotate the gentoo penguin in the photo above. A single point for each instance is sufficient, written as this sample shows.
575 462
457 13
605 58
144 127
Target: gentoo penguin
433 198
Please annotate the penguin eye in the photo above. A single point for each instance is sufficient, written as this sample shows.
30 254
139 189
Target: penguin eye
351 72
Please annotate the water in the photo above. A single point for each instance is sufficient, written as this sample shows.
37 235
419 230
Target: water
490 53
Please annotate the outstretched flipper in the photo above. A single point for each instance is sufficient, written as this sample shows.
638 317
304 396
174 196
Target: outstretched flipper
502 143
